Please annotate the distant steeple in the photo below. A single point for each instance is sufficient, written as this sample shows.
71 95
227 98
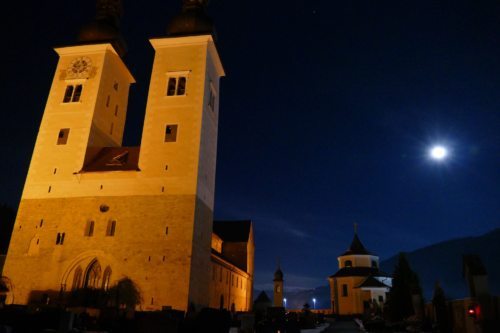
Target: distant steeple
105 27
192 21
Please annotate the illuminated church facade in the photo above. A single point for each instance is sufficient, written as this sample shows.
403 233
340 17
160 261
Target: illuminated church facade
359 284
93 212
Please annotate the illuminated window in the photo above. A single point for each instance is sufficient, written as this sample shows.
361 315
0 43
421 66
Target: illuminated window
344 290
171 133
62 138
73 93
89 229
176 85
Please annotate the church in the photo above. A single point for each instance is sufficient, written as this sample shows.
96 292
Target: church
359 283
94 212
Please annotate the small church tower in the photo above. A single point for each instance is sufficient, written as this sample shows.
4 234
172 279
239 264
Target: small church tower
278 288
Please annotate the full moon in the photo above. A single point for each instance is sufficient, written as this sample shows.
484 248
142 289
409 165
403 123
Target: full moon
438 153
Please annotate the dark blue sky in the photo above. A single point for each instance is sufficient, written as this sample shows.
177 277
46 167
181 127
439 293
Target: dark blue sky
327 113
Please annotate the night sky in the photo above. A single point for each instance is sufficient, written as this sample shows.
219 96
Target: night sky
326 115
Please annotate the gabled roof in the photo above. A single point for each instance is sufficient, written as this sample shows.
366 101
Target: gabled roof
262 298
359 271
233 231
356 247
114 159
372 282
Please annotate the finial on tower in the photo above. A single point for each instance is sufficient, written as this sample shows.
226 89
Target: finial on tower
105 26
192 21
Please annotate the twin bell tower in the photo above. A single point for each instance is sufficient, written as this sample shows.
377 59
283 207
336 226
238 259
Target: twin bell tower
92 211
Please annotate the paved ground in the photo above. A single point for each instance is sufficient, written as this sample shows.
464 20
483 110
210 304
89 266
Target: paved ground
343 327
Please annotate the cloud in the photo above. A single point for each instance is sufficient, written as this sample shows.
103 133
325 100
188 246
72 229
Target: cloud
279 225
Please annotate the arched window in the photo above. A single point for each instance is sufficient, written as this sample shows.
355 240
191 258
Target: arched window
106 277
348 263
77 278
93 275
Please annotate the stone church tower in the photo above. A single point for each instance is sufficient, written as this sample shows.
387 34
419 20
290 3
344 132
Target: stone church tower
92 211
278 288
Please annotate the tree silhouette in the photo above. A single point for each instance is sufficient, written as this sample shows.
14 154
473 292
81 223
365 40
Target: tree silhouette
125 293
439 303
405 283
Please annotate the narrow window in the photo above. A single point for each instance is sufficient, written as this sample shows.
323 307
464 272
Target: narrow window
68 94
108 99
55 171
110 230
171 133
50 189
172 83
181 86
116 110
60 238
166 230
163 258
62 138
77 93
41 223
115 86
149 258
344 290
89 229
211 100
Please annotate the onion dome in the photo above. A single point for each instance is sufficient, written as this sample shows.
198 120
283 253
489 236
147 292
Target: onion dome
193 20
104 28
278 275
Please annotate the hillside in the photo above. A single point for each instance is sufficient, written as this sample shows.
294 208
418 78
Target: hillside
443 262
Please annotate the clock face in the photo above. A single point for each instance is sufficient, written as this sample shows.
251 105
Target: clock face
79 68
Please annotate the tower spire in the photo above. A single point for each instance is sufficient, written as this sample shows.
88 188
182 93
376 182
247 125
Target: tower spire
355 228
105 27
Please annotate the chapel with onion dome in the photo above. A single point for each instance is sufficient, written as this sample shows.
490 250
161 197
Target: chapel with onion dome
359 283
